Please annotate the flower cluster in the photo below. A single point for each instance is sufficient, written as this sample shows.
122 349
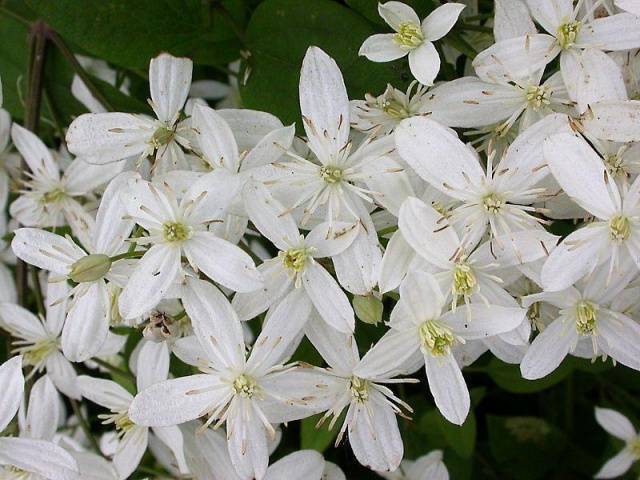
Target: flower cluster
225 240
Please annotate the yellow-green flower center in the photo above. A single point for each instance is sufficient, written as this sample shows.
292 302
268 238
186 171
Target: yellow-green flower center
586 318
534 317
619 228
121 421
615 165
176 232
634 446
244 386
359 389
16 473
331 174
295 259
538 96
436 338
492 203
409 35
162 136
464 281
392 107
567 33
53 196
35 354
90 268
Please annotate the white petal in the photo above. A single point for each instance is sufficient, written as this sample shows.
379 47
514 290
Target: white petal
330 239
215 138
324 104
45 250
154 274
376 440
39 457
63 375
302 465
189 350
270 148
600 79
357 266
421 295
107 393
512 19
397 13
616 466
338 349
424 144
395 262
424 63
276 283
441 20
330 301
551 13
389 180
615 423
269 216
21 322
223 262
622 338
615 32
249 126
149 204
43 412
516 248
381 47
172 437
169 82
589 185
618 121
35 153
448 387
12 388
82 177
206 452
210 197
630 6
247 441
391 355
108 137
479 321
56 301
215 323
515 58
130 451
548 350
153 364
87 323
111 228
173 402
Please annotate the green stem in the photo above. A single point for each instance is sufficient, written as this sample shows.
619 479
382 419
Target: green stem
180 315
82 73
113 368
133 254
86 428
14 15
246 248
37 290
387 230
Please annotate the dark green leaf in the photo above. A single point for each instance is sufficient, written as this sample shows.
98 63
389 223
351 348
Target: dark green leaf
508 377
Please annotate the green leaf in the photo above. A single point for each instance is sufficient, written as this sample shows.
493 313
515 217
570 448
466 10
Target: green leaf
318 439
130 33
279 33
508 377
461 439
369 8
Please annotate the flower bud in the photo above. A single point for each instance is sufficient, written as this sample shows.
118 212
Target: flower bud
368 309
90 268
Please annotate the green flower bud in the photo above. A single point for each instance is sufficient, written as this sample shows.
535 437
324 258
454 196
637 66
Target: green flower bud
368 309
90 268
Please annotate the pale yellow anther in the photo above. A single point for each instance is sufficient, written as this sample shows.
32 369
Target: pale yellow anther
244 386
359 389
176 232
436 338
619 228
331 174
409 35
586 318
567 33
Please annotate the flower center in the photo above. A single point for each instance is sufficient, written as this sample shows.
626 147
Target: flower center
615 166
492 203
295 259
409 35
176 232
53 196
35 354
331 175
162 136
436 338
245 386
464 280
586 318
538 96
634 446
121 421
16 473
359 389
534 317
619 228
567 33
392 107
90 268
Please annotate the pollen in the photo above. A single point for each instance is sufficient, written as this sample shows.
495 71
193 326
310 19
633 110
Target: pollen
244 386
331 175
538 96
436 338
409 35
176 232
464 281
586 318
392 107
53 196
162 136
121 421
567 33
619 228
35 354
634 446
295 259
359 389
492 203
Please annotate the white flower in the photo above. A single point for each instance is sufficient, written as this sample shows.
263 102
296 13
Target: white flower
249 394
582 174
587 325
38 339
177 228
34 459
427 467
11 389
103 138
296 265
630 6
412 38
90 313
422 331
616 121
620 427
499 198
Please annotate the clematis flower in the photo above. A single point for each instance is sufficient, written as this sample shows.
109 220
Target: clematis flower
176 228
249 394
12 388
103 138
296 267
412 38
429 466
423 332
620 427
629 6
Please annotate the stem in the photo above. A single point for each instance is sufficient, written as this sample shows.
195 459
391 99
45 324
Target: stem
82 73
384 231
113 368
180 315
134 254
37 290
14 15
246 248
85 426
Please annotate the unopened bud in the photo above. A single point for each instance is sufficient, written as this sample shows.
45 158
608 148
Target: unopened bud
368 309
90 268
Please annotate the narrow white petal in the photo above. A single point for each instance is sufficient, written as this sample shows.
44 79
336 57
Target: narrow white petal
302 465
448 387
615 32
548 350
424 63
38 456
615 423
153 364
107 393
441 20
87 324
397 13
328 298
551 13
512 19
169 82
35 153
381 47
617 465
215 138
12 388
45 250
130 451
